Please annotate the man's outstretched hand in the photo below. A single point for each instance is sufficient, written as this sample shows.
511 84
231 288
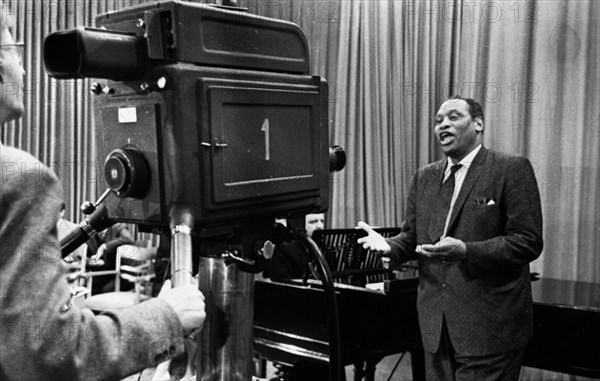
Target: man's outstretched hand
449 248
373 241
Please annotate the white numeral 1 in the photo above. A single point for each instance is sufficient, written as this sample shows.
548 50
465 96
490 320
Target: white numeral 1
265 128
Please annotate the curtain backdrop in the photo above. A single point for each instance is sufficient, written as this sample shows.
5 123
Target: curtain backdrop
58 126
534 65
537 67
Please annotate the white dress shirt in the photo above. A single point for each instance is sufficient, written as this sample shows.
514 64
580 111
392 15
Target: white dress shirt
459 178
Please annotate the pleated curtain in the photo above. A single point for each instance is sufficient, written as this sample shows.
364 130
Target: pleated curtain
533 64
58 126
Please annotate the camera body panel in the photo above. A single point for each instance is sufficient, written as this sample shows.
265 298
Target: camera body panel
204 109
229 145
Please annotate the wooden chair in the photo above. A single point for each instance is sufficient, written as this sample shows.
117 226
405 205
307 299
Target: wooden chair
134 264
77 278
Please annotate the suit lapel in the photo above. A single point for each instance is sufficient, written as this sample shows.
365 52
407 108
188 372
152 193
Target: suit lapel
472 175
436 179
439 174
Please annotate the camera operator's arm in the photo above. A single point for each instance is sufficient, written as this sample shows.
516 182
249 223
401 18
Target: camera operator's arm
188 304
45 336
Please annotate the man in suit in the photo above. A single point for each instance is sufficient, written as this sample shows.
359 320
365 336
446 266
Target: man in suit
45 336
474 228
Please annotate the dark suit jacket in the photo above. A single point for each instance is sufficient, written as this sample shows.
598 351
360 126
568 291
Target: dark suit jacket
289 261
43 337
486 298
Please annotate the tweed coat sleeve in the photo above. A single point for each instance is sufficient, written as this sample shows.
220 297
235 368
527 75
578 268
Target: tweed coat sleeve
43 336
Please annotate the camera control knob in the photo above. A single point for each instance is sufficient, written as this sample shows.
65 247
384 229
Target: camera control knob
127 173
99 89
337 158
96 88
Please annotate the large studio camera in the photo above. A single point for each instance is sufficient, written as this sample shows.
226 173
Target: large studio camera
208 108
209 126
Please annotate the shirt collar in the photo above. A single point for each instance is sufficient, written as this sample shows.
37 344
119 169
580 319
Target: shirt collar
467 160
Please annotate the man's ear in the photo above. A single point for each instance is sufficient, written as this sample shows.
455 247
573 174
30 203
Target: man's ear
478 124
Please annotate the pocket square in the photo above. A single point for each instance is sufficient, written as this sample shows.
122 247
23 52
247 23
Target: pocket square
481 201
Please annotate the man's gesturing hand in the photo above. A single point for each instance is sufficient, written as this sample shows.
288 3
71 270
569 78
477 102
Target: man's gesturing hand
449 248
373 241
188 303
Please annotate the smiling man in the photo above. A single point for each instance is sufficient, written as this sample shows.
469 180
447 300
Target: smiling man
474 223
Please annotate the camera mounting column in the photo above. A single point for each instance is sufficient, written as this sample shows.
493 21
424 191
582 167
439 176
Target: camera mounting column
182 224
225 345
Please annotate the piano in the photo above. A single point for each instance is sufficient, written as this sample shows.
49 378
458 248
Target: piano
566 327
290 322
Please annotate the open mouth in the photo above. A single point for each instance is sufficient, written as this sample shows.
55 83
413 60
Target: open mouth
446 138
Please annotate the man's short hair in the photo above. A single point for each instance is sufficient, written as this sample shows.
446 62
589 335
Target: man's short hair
475 109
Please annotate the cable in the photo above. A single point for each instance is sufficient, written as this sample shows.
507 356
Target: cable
396 366
335 360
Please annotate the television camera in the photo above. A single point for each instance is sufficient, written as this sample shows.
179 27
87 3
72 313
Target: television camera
209 126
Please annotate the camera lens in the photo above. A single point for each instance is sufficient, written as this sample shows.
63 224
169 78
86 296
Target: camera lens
127 172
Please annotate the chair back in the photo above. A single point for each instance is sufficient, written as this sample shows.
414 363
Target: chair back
76 262
133 264
136 265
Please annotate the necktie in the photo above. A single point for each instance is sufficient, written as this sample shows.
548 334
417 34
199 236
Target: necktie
441 208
